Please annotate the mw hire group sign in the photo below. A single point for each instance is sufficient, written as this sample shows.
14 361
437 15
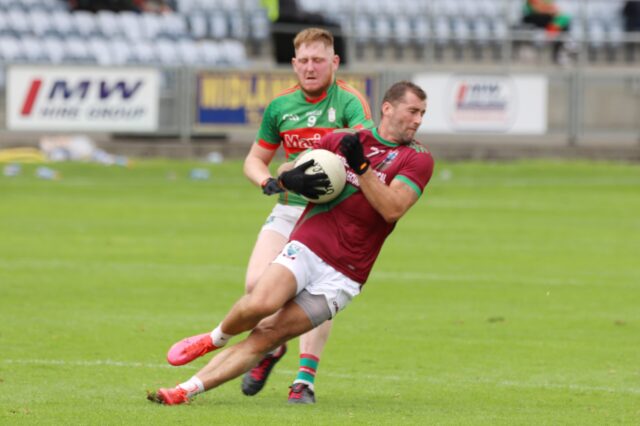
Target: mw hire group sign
82 99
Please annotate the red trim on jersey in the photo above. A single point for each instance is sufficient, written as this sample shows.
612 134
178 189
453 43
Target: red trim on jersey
267 145
315 101
365 105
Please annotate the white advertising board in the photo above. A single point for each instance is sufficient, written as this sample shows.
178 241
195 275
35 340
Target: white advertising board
514 104
82 99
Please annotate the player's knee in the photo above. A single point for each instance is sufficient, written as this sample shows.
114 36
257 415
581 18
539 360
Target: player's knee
259 307
250 283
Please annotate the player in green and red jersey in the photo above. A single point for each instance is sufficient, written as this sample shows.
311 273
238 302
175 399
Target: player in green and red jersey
331 251
295 120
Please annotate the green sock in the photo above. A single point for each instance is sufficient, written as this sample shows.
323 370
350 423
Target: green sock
307 370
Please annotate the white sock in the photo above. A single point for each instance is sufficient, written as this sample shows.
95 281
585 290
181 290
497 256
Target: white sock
219 338
193 386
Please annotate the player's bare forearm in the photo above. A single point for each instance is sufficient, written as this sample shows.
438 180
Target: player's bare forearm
256 164
392 201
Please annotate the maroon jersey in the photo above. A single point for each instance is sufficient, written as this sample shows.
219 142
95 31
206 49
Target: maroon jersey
348 232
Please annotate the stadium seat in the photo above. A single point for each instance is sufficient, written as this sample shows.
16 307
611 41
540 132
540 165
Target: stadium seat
131 25
402 30
34 49
230 5
86 23
210 52
167 52
18 21
143 52
362 30
218 25
4 25
54 49
62 23
259 25
173 25
11 50
120 51
184 7
382 33
237 25
102 51
233 53
151 25
41 22
189 52
77 51
109 24
198 25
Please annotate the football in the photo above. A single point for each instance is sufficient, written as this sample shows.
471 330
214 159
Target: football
325 162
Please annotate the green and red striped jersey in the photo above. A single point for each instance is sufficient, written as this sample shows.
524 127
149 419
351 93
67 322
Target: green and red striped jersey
297 123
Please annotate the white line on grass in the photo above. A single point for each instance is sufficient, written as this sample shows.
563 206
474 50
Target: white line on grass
393 378
212 267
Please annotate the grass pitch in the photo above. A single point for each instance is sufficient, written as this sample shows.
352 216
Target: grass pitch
510 294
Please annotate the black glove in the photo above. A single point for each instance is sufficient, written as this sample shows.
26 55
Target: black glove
310 186
270 186
351 148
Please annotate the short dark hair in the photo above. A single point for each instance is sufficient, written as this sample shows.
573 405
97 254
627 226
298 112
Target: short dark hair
397 91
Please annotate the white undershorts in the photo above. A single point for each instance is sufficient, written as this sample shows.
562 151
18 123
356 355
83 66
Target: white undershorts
317 277
282 219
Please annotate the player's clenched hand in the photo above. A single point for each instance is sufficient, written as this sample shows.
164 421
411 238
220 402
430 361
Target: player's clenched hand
296 180
351 148
270 186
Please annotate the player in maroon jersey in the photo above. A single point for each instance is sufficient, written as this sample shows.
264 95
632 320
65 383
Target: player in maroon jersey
295 120
331 251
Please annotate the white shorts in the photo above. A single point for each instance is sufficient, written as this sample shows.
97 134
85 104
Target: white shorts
282 219
317 277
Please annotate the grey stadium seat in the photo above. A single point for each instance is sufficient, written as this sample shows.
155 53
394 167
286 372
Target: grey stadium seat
34 49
